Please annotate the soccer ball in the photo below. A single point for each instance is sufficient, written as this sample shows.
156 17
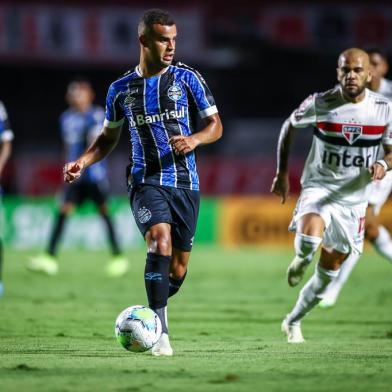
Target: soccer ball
138 328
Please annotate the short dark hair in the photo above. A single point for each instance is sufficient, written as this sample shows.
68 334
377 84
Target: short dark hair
154 16
378 51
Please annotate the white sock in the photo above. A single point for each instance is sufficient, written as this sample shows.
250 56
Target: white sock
383 243
337 284
311 294
306 246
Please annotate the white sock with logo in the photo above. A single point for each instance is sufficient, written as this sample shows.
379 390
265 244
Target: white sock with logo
383 243
337 284
311 294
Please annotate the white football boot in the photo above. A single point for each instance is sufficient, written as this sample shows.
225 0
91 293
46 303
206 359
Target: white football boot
293 332
296 271
163 347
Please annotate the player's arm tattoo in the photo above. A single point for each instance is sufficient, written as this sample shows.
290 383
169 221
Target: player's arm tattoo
284 143
101 146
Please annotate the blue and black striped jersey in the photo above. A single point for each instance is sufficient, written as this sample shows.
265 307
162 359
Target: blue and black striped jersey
6 133
158 108
78 130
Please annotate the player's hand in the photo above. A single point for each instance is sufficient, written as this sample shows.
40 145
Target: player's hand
280 186
183 144
377 171
72 171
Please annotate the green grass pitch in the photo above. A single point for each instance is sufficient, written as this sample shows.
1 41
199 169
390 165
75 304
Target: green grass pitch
57 333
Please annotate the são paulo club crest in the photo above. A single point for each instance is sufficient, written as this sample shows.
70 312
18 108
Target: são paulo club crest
352 132
174 92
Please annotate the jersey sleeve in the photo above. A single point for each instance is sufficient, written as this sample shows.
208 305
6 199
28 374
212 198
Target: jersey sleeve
305 114
6 134
114 115
201 94
387 136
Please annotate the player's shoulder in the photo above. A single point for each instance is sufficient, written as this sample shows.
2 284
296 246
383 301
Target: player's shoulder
66 113
185 70
378 99
124 79
328 96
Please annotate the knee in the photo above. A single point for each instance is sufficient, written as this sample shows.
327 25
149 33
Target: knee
306 246
159 242
371 232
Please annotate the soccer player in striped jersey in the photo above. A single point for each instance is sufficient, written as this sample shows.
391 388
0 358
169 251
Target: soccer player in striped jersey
160 101
6 137
79 126
350 123
378 193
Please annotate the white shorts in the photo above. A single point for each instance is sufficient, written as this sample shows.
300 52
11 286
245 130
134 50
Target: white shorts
344 225
379 191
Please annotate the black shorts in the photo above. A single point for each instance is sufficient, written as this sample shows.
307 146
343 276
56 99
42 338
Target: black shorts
79 192
153 204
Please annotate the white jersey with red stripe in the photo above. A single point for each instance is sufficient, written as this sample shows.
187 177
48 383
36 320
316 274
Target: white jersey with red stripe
347 138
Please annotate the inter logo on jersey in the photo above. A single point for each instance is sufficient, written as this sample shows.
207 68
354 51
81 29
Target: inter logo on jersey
174 92
352 132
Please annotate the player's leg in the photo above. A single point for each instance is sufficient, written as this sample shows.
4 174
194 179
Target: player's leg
185 210
119 264
47 262
156 277
377 234
312 293
308 237
153 217
58 227
380 239
178 270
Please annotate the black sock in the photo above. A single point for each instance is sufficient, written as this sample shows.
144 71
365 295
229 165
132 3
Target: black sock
175 284
56 233
111 234
1 260
156 278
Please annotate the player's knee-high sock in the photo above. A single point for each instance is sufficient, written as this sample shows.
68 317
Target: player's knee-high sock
56 233
111 234
175 284
383 243
337 284
311 294
156 278
306 246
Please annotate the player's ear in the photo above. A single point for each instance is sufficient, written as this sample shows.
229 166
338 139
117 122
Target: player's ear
143 40
369 77
338 75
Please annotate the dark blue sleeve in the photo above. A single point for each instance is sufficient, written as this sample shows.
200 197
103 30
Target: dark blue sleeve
114 115
201 94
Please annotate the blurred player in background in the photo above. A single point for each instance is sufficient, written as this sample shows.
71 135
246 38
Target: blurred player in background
79 126
6 137
378 192
350 122
159 100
